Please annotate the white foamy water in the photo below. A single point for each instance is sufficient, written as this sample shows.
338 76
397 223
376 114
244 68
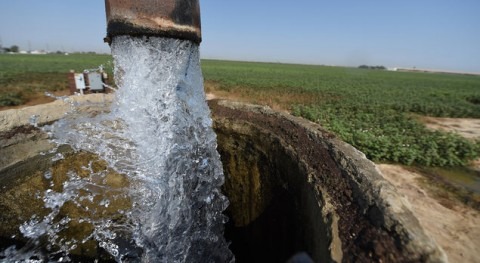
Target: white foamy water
159 134
162 102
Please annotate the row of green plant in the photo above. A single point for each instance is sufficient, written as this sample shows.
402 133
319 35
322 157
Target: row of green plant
51 63
372 110
387 135
24 76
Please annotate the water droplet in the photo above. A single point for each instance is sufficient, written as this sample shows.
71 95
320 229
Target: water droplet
48 175
34 120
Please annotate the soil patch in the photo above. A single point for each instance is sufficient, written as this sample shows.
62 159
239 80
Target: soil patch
453 225
465 127
38 99
276 99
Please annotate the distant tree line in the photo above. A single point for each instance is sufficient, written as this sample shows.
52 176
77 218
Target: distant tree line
372 67
14 49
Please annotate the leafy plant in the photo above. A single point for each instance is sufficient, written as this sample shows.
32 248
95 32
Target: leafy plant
11 99
370 109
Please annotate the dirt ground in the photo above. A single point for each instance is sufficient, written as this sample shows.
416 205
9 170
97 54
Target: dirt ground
468 128
453 225
37 100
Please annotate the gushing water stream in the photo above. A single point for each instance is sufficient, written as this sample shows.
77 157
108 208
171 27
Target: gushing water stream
162 102
159 135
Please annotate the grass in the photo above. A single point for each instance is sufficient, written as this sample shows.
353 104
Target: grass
441 95
370 109
24 77
373 110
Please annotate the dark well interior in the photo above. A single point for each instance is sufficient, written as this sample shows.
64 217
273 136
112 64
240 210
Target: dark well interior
273 210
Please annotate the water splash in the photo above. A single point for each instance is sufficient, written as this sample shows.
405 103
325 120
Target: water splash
159 135
162 102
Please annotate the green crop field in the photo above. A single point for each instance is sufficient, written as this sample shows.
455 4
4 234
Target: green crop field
23 76
376 111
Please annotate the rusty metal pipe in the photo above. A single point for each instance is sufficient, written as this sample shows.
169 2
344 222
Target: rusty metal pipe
164 18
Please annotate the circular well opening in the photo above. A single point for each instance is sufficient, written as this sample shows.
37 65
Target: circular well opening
274 211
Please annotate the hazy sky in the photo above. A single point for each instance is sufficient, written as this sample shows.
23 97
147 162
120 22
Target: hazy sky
439 34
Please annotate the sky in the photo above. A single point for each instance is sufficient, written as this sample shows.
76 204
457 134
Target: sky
433 34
